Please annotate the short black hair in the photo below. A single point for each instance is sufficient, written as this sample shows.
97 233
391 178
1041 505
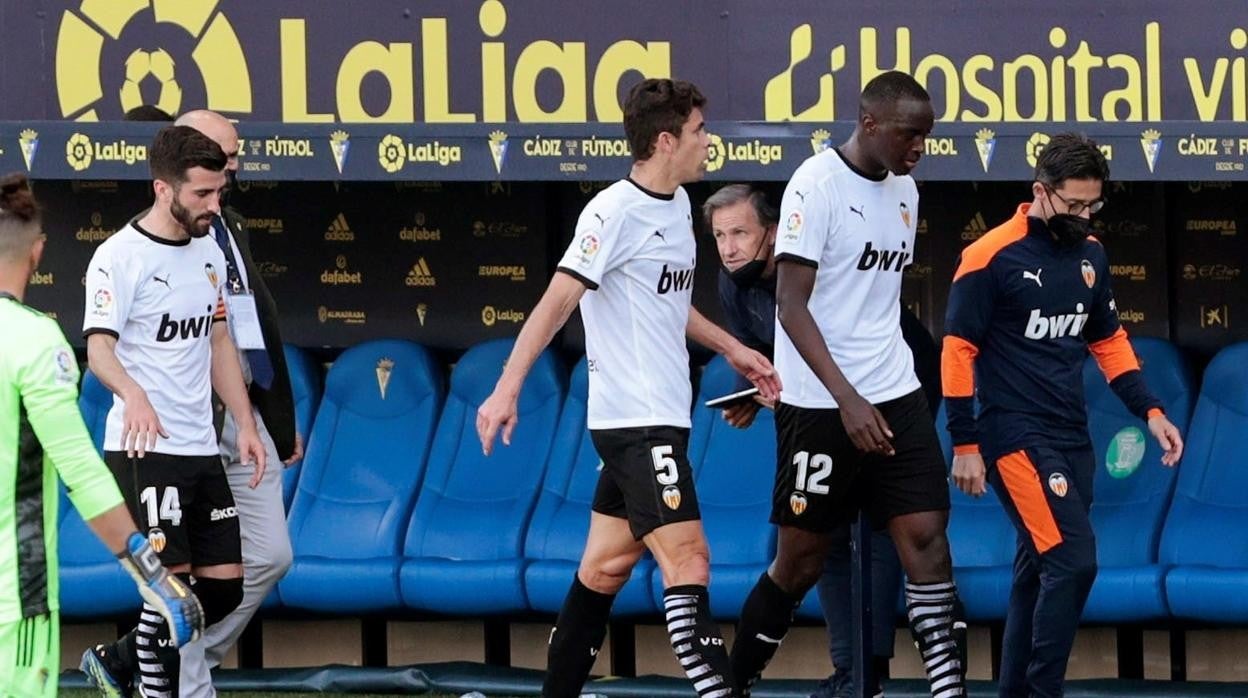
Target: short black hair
654 106
177 149
1070 156
891 86
147 112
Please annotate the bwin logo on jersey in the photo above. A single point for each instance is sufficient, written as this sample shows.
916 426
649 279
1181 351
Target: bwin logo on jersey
1055 326
187 328
675 280
884 260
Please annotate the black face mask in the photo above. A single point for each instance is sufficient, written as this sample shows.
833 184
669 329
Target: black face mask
749 273
1069 230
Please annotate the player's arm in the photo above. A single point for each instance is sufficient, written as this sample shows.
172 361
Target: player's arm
140 423
744 360
548 316
864 424
48 386
972 299
1109 345
227 381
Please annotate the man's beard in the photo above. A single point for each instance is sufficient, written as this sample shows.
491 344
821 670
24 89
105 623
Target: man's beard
190 224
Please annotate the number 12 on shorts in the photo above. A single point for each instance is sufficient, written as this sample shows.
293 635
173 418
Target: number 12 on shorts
812 470
170 506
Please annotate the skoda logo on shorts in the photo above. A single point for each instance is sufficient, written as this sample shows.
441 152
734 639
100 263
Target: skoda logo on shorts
671 497
1057 483
156 538
797 502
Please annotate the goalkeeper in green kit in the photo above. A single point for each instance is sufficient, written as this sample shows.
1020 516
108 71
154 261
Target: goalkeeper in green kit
42 435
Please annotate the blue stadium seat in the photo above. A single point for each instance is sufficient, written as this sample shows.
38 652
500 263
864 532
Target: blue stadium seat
1204 533
1132 489
560 523
465 544
305 384
93 585
982 543
734 471
366 457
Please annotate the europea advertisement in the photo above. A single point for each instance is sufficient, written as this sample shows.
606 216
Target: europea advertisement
492 89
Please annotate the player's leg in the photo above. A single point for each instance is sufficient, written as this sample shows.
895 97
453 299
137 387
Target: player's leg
1044 488
1016 641
909 491
886 585
816 469
30 657
835 592
266 557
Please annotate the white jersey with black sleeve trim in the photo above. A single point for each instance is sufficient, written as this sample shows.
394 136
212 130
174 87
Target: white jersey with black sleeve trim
858 232
160 298
635 251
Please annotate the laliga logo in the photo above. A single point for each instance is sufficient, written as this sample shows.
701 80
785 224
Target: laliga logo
85 35
78 152
1035 145
715 153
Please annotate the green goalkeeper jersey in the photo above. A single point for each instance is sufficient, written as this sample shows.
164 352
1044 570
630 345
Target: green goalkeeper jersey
40 426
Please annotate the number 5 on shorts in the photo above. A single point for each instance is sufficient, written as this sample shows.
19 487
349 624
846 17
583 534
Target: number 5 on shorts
808 481
170 506
664 465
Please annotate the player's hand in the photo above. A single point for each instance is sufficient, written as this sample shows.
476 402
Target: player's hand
498 411
1168 436
139 425
969 474
162 591
866 426
757 369
297 455
741 415
251 450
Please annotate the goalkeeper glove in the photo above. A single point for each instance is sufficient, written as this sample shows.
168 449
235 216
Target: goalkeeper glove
170 596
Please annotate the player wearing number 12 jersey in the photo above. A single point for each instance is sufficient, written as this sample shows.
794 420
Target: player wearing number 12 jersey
634 252
155 338
853 428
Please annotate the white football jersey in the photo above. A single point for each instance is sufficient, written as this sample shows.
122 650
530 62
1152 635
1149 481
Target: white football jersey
635 251
160 299
858 232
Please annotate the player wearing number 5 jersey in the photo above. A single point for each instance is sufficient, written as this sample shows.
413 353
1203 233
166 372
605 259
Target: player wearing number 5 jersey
154 336
853 428
1029 301
634 251
42 436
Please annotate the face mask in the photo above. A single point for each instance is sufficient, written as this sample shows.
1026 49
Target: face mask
749 273
1069 230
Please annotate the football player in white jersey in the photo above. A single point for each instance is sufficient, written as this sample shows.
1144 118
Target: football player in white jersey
634 250
155 338
853 426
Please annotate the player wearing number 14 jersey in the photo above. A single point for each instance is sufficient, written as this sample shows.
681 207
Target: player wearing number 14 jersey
853 429
155 337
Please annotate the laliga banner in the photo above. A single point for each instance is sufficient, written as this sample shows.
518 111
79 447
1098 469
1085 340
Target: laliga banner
569 61
757 151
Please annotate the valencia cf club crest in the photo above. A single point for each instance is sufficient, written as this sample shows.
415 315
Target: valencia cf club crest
671 497
797 502
156 538
1058 484
211 272
905 213
1089 273
384 368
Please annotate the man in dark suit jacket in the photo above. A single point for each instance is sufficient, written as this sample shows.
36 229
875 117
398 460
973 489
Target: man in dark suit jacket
262 516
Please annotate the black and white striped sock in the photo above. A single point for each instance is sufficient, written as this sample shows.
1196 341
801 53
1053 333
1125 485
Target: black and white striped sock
696 641
158 656
931 609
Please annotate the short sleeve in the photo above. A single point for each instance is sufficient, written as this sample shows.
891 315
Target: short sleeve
598 246
109 293
806 220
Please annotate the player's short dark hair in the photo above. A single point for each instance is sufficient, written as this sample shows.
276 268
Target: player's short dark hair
736 193
1070 156
147 112
891 86
17 202
654 106
177 149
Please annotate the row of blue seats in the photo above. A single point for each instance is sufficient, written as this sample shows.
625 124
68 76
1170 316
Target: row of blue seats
396 507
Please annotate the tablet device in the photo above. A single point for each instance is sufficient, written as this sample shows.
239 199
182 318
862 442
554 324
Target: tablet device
732 398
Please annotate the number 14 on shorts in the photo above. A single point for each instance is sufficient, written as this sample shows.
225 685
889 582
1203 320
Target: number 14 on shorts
169 507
